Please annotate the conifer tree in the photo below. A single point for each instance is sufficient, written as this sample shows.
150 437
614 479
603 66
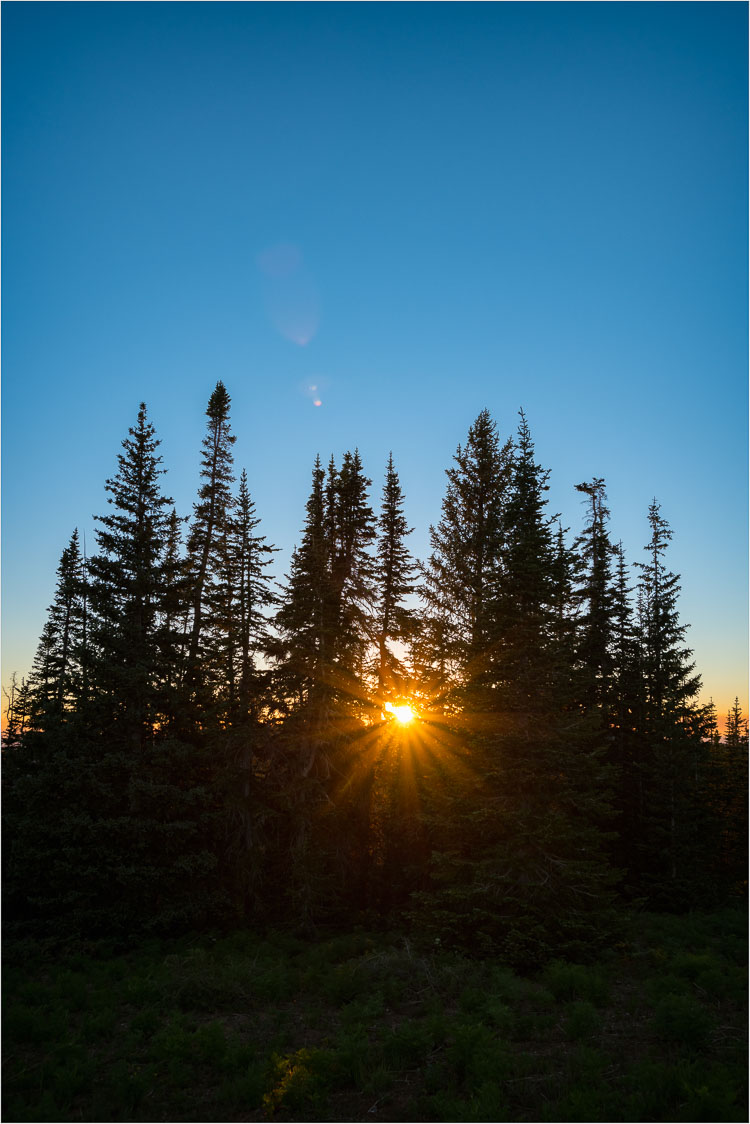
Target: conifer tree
735 729
325 629
352 573
524 602
723 791
250 554
528 867
734 820
595 596
300 620
209 525
17 713
395 578
55 681
126 585
626 701
89 849
670 728
172 616
236 627
669 671
712 732
461 577
325 620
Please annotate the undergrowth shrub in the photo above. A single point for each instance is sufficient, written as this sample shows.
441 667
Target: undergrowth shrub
682 1020
575 981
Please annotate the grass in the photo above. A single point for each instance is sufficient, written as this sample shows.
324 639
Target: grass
363 1027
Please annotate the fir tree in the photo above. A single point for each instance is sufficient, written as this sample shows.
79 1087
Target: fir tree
461 577
670 729
626 701
395 578
236 626
734 801
523 605
595 597
325 618
56 678
300 620
172 616
126 586
208 530
527 866
735 728
17 713
250 554
352 574
723 794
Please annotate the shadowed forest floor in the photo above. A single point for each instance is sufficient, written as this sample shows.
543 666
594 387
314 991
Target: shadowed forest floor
370 1027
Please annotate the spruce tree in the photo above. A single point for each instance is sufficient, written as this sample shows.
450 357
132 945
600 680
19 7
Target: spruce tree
172 619
325 620
303 695
395 580
209 526
735 728
17 713
734 801
669 733
300 621
527 870
56 678
250 555
595 597
89 848
325 630
352 575
626 701
126 586
461 576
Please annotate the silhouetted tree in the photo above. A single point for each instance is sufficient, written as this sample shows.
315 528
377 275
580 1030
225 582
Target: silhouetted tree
301 619
527 870
626 705
172 619
735 730
17 713
395 580
250 555
595 596
461 576
209 524
55 681
669 730
126 587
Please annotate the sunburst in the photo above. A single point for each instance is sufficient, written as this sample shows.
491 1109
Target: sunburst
402 712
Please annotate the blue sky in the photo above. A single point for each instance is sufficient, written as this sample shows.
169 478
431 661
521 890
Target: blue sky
420 210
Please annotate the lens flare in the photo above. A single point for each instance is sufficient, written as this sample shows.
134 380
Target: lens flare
290 294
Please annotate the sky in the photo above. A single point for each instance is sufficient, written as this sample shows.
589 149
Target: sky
371 221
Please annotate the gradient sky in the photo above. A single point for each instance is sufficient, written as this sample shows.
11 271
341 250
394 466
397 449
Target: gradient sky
418 209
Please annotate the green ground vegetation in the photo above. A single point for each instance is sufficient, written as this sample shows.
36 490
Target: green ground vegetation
378 1027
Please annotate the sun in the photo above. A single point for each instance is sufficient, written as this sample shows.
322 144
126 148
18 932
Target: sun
402 713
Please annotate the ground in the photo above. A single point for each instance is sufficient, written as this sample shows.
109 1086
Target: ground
374 1027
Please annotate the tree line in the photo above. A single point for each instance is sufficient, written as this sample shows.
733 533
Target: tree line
198 744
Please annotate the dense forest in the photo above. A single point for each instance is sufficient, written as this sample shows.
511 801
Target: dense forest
497 745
